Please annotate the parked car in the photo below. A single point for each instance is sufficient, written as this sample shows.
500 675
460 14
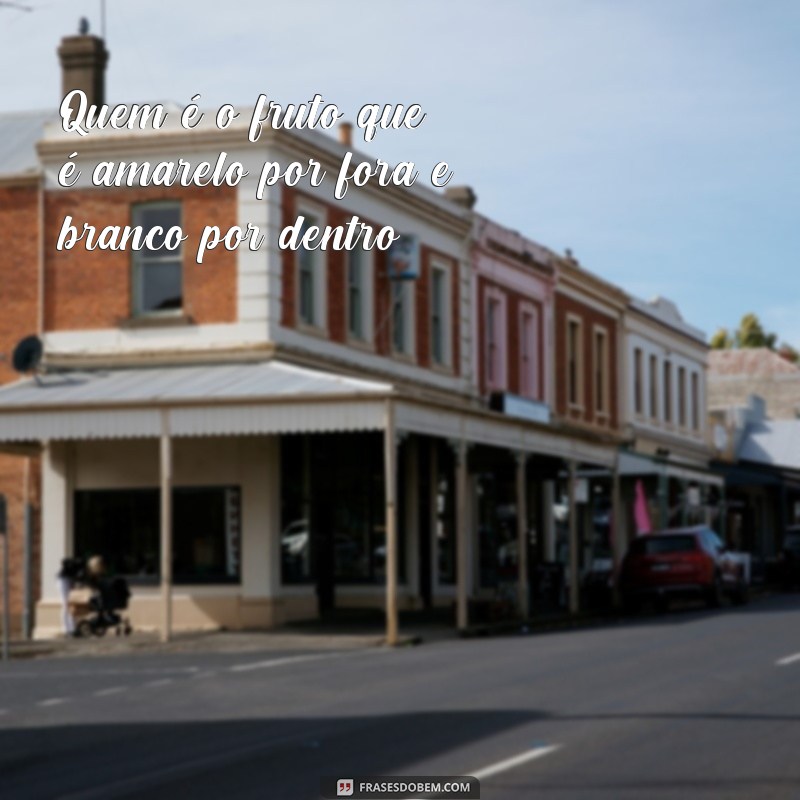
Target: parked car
789 558
691 562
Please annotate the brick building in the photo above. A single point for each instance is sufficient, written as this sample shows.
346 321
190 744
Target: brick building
274 434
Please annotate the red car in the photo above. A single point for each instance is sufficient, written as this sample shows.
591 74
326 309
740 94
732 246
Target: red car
681 562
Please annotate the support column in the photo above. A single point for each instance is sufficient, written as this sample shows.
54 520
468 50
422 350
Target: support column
462 553
166 526
522 536
390 484
548 520
618 529
574 588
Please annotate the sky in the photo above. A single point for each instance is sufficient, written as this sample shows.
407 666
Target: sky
659 141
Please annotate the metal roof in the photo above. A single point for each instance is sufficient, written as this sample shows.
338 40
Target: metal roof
773 443
174 385
250 398
19 132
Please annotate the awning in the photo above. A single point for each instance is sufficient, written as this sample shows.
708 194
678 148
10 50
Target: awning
270 397
248 398
635 464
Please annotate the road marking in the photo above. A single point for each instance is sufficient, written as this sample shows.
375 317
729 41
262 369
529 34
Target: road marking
155 684
40 674
209 674
279 662
783 662
53 701
514 761
110 690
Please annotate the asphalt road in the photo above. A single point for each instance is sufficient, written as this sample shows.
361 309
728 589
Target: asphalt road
692 704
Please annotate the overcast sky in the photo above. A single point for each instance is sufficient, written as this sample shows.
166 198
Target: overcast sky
658 140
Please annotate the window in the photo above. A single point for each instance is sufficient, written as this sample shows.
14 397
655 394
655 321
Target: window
440 316
359 295
157 273
654 387
638 403
682 397
402 317
528 351
601 400
493 339
124 527
333 523
574 362
695 401
310 279
667 391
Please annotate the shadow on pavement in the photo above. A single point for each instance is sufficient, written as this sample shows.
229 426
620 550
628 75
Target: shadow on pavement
269 758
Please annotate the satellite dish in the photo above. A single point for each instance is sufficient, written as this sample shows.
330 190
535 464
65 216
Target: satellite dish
27 354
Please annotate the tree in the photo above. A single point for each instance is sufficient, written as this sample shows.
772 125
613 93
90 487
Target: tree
789 353
751 333
721 340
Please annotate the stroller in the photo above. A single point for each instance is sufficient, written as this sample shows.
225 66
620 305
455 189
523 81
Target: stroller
96 608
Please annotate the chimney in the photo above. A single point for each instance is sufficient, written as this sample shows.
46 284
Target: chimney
83 65
462 195
346 134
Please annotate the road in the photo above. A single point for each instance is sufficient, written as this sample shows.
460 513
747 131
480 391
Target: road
692 704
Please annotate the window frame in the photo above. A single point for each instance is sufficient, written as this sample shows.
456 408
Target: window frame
601 371
138 258
638 381
366 291
666 371
683 416
529 377
654 387
408 306
578 358
494 340
319 274
441 268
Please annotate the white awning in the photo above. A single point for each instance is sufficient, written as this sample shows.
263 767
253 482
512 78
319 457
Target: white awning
268 397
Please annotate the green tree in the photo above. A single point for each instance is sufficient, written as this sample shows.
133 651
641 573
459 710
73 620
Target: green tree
721 340
751 333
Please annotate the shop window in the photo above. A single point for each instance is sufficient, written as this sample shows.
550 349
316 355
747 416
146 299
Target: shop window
157 273
123 526
333 509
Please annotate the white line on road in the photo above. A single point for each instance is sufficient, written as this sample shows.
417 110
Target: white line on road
279 662
53 701
110 690
783 662
514 761
155 684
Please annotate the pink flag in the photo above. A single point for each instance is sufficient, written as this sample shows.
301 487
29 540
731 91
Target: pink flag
641 512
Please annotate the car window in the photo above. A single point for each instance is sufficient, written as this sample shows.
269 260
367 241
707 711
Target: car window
660 545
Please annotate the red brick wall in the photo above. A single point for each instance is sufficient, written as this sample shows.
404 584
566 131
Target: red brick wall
589 317
514 301
19 260
92 289
337 288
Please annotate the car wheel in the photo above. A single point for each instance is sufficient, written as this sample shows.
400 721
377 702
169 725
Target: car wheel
714 594
630 604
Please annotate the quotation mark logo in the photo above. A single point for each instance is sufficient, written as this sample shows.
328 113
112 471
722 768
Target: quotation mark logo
344 787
